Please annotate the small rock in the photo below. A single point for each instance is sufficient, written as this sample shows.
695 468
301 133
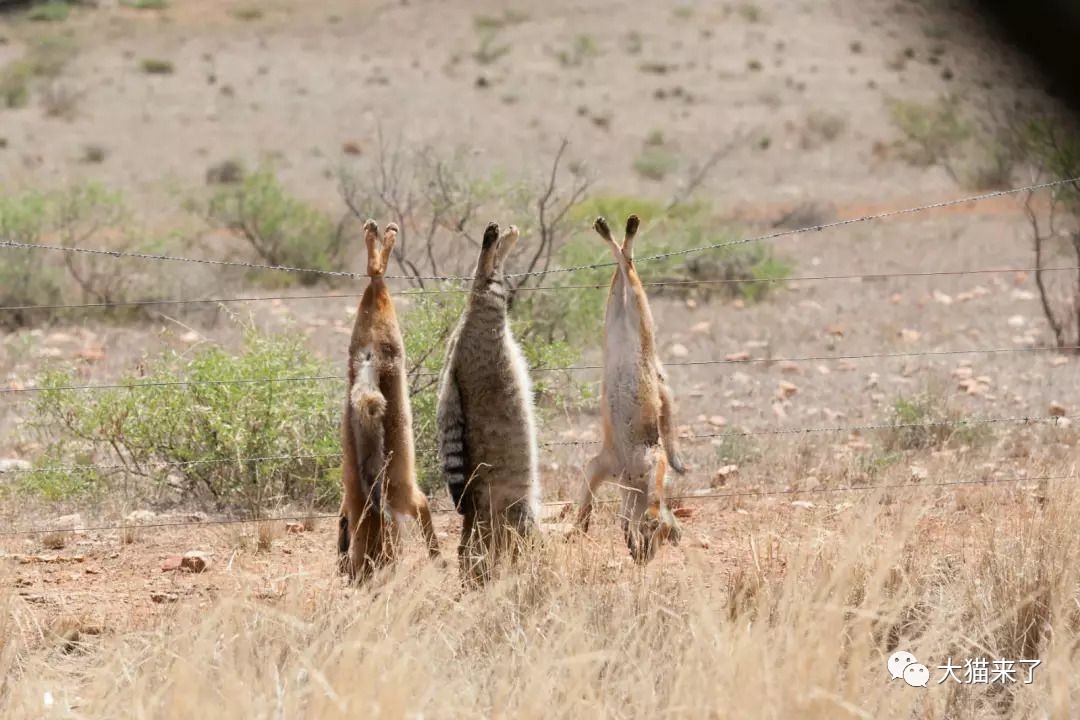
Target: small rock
785 390
717 420
91 354
909 335
789 368
835 330
741 356
171 563
164 597
1056 361
942 298
13 465
352 147
725 473
803 504
678 350
195 561
141 517
919 473
294 527
701 328
191 336
1017 321
683 512
1057 410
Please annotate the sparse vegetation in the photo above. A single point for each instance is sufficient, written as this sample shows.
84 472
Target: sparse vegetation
490 50
751 12
79 215
156 66
44 60
926 421
1055 231
655 162
247 12
281 229
49 11
190 432
822 127
583 48
145 4
492 23
978 155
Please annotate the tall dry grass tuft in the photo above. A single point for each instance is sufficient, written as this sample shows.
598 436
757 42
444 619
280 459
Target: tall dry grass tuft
799 627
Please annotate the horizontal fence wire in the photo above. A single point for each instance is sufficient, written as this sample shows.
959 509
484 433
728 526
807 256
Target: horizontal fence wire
866 277
675 499
832 429
552 271
568 368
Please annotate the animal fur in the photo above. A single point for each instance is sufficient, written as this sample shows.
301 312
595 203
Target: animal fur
378 468
637 409
487 433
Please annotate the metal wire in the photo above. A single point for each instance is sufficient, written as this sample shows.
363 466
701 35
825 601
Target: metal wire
968 422
553 271
568 368
443 511
537 288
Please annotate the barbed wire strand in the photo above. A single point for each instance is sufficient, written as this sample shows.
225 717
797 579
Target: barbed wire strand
693 497
568 368
552 271
868 277
956 423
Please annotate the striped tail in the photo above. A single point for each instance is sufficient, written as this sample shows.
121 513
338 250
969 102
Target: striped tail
452 452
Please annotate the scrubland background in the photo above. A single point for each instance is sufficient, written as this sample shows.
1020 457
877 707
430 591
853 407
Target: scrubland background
859 485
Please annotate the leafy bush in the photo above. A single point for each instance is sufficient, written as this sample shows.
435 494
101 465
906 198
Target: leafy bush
576 314
49 11
926 421
280 228
24 277
44 60
81 216
200 438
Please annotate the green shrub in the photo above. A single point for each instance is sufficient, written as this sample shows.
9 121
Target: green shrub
44 60
926 421
25 279
156 66
656 163
49 11
580 311
280 228
201 437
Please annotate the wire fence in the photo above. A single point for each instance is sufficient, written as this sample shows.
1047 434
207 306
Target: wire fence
70 249
863 277
675 500
135 385
1056 420
145 468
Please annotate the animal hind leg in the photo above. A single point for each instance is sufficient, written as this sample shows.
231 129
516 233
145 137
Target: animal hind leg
599 469
416 506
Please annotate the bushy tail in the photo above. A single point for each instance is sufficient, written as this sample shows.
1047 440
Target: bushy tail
668 430
367 408
452 451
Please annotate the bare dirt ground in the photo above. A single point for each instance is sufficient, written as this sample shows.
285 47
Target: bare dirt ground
310 85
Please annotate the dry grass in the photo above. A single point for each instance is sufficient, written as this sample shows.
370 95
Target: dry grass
807 620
